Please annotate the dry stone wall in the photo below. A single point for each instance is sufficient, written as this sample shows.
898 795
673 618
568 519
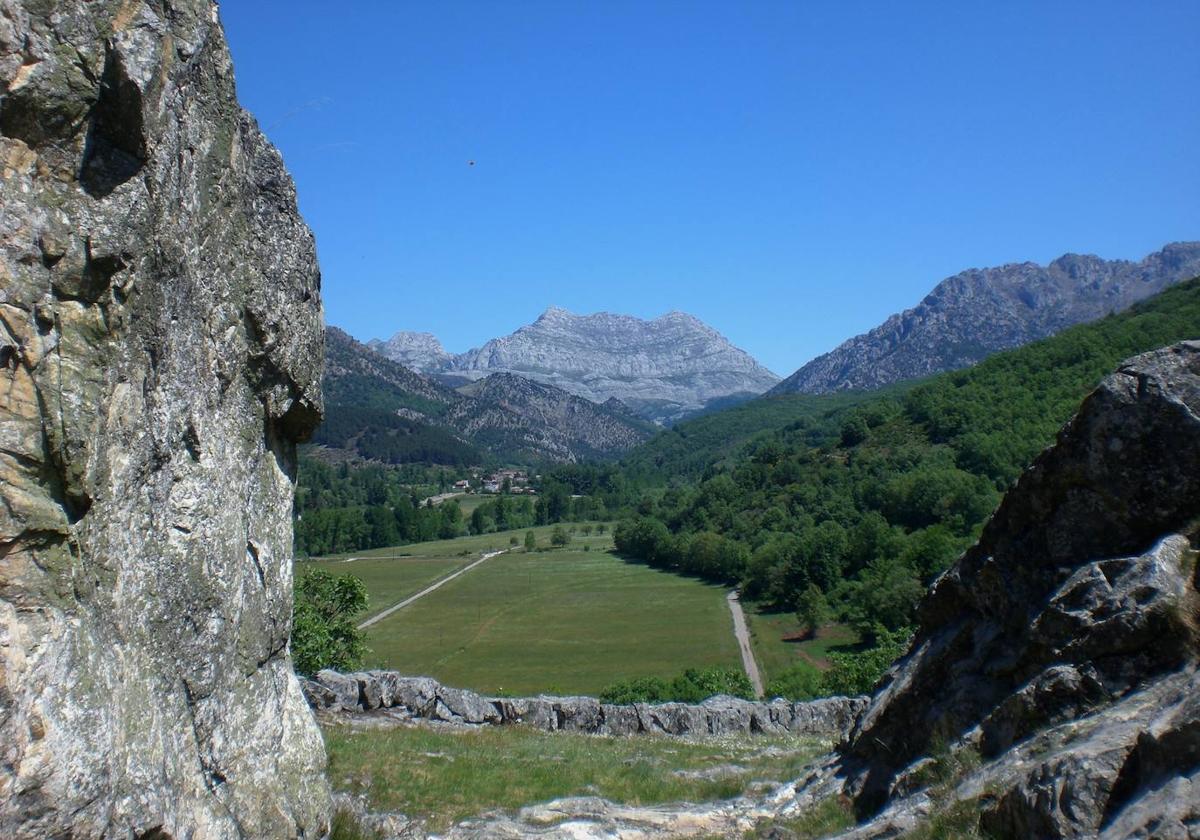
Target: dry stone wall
426 699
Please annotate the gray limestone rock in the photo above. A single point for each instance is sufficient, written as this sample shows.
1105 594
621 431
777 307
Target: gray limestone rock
422 697
160 357
662 368
510 416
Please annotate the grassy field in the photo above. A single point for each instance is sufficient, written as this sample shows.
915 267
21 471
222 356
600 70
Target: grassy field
388 579
444 775
774 655
564 621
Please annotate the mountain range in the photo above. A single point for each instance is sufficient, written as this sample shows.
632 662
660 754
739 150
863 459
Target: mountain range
978 312
662 369
380 410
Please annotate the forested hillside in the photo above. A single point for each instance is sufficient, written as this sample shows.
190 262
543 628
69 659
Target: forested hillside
860 518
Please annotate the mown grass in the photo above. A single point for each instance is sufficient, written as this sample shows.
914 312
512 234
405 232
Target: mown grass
389 579
559 620
445 775
392 574
774 655
570 620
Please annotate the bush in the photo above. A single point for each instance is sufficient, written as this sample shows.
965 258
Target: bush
858 673
692 686
636 690
800 682
559 537
324 634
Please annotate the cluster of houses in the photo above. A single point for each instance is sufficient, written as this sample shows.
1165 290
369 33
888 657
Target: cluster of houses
518 483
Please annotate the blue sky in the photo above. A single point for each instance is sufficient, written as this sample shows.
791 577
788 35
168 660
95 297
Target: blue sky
791 173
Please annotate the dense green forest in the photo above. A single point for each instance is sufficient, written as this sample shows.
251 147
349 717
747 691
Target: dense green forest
351 508
854 506
362 506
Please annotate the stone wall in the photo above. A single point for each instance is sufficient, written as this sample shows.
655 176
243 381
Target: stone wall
426 699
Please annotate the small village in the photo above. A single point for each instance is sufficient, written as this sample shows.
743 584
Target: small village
512 481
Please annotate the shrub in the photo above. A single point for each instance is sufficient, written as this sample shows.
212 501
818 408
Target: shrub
800 682
857 673
636 690
324 634
692 686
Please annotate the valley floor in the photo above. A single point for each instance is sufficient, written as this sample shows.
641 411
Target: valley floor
565 621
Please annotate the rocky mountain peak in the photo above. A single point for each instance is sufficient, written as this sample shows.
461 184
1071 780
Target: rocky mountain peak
977 312
420 351
661 368
553 314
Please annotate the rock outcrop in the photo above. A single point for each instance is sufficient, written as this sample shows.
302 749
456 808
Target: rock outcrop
1060 652
663 369
419 351
971 315
426 699
160 356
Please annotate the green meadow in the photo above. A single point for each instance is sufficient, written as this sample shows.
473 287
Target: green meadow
561 620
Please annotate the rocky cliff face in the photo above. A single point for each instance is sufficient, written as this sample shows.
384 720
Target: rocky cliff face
971 315
1061 650
160 356
662 369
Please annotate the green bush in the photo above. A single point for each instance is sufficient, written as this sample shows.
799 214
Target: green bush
858 673
800 682
324 634
692 686
637 690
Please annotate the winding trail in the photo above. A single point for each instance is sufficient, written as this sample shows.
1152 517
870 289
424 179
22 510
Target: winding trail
742 632
380 616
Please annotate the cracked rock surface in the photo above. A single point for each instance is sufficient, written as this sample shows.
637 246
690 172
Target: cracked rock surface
160 353
1060 651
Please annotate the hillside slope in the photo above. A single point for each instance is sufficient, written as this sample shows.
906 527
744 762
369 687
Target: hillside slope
971 315
870 501
1079 356
383 411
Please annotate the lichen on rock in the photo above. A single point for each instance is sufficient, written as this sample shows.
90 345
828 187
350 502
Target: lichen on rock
160 357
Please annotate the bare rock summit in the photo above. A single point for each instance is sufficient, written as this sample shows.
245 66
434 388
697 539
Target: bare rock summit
972 315
662 369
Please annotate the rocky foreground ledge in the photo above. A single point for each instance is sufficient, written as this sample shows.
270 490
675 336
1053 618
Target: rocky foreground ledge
426 699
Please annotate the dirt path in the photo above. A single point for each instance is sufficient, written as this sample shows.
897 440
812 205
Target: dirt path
742 632
436 585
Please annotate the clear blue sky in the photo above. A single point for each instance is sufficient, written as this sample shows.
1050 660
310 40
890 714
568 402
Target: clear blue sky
789 172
